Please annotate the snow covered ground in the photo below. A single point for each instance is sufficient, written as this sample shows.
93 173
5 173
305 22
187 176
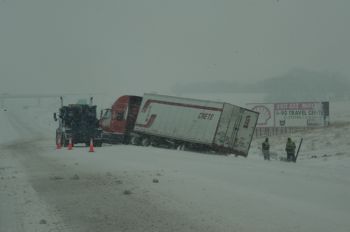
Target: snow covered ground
131 188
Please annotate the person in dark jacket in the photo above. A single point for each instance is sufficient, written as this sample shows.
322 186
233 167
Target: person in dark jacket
290 149
266 149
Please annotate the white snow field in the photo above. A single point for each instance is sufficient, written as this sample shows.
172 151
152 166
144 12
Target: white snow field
132 188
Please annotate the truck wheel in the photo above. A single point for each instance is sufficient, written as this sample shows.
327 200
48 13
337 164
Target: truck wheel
134 140
64 141
146 142
98 144
58 140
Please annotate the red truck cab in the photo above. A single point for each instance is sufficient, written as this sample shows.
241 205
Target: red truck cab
118 122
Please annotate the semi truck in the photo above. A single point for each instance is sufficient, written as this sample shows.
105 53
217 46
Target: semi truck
78 123
179 123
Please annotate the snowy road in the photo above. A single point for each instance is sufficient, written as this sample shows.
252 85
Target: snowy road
43 189
129 188
70 195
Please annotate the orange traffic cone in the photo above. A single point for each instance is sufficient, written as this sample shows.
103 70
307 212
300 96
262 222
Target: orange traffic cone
70 145
91 146
58 144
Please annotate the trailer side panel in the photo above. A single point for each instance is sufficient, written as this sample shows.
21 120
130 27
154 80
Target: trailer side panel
184 119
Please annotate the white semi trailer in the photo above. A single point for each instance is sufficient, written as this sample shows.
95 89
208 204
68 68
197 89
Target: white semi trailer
193 123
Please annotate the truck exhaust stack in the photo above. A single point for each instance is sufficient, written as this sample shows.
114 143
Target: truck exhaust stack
91 101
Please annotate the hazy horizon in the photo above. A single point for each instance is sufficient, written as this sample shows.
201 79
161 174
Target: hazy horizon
132 47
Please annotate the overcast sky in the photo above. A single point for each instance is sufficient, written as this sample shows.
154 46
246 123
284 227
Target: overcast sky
136 46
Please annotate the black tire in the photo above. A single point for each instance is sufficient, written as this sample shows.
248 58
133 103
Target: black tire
98 144
135 140
181 147
126 140
145 142
65 141
57 140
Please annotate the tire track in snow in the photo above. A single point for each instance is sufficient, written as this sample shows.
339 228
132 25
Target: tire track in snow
22 209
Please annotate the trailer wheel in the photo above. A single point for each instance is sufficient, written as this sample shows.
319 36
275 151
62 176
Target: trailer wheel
146 142
181 147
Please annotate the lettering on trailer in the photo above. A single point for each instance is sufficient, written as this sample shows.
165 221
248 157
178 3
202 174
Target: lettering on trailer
206 116
246 122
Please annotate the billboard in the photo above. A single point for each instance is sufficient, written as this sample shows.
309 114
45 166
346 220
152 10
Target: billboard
296 114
